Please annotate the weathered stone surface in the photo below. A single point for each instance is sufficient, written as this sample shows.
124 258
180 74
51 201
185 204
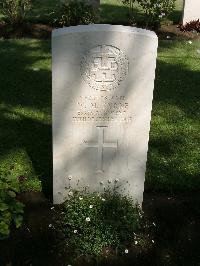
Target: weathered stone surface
191 10
103 80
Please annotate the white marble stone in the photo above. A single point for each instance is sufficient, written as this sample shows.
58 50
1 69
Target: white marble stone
103 80
191 10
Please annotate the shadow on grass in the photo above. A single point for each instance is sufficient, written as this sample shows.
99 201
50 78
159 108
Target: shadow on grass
25 118
173 162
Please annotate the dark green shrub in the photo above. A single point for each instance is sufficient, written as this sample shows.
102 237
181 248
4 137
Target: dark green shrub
16 10
10 209
92 222
75 12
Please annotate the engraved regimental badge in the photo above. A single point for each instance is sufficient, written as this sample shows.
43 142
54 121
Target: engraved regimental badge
104 67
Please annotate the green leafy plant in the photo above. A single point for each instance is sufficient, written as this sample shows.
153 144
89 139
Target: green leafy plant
30 184
156 10
92 222
11 211
16 10
74 12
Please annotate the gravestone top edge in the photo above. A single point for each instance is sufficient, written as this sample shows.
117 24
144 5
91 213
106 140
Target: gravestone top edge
101 28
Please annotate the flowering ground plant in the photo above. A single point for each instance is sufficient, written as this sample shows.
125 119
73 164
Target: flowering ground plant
93 222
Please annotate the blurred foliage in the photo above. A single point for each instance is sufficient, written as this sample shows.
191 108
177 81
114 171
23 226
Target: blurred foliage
15 11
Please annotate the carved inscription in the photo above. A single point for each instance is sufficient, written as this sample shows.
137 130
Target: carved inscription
104 67
102 108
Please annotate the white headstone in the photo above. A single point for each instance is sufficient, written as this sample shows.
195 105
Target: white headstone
103 80
191 10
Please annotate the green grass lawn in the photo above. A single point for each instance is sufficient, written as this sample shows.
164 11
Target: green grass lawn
173 159
25 115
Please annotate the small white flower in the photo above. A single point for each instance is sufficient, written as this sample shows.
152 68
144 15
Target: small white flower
154 224
126 251
70 193
52 208
168 37
190 42
80 198
152 241
91 206
87 219
70 177
50 225
75 231
116 180
136 242
103 199
109 181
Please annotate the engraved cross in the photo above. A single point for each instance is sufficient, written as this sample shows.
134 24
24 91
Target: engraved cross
100 145
105 61
104 66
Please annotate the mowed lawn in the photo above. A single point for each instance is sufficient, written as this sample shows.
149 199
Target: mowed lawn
25 115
